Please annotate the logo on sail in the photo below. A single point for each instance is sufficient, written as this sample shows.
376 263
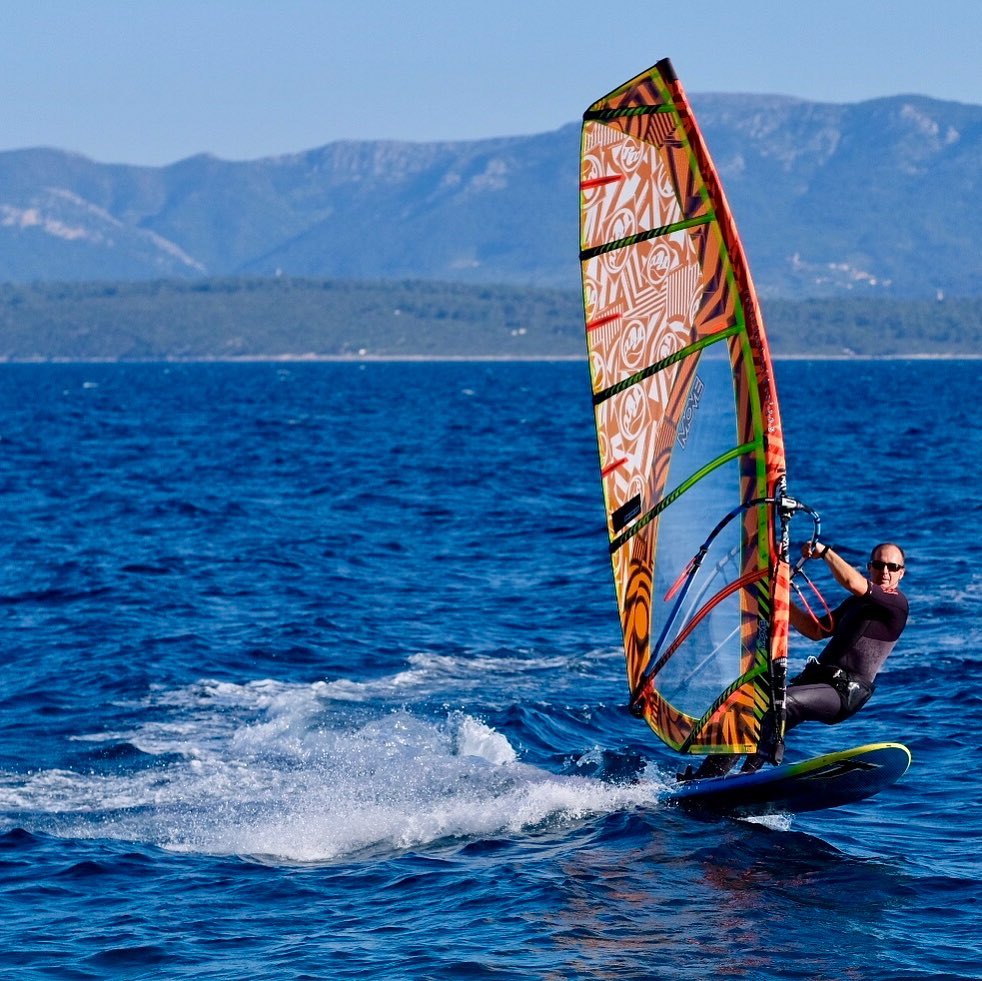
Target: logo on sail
688 414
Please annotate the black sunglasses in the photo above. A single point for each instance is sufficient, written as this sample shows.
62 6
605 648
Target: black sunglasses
880 566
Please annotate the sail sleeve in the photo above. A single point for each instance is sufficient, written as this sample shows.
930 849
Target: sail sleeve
687 421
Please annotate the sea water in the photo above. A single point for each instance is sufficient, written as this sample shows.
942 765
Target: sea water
312 671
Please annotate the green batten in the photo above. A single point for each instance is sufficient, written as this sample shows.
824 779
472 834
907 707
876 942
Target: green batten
623 243
605 115
653 369
737 451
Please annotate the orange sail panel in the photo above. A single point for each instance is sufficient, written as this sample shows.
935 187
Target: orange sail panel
687 423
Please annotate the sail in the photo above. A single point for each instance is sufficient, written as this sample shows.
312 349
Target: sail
692 454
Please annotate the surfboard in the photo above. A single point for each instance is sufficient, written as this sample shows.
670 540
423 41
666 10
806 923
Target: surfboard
807 785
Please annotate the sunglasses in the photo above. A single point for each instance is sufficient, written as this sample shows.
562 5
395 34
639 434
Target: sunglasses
880 566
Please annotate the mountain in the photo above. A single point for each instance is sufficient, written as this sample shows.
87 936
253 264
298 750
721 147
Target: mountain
875 198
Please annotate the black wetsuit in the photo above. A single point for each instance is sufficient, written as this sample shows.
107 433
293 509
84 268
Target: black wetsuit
865 630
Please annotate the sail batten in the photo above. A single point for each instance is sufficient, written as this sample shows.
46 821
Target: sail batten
623 243
666 362
607 114
678 491
688 427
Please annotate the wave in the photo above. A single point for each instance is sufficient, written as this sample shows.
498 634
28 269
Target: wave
268 791
323 772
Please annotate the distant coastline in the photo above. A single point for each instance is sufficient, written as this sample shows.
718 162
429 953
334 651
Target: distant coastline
257 319
450 359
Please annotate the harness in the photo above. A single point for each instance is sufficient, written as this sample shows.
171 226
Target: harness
853 691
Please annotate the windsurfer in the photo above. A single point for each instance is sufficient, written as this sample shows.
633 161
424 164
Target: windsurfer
861 633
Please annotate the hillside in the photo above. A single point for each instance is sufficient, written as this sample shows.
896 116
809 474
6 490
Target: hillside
880 198
271 318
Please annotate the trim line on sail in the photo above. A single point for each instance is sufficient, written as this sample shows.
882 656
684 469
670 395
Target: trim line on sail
653 369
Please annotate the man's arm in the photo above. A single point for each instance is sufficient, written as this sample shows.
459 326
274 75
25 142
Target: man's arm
844 574
806 624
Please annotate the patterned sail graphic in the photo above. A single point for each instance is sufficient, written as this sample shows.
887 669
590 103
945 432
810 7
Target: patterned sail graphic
691 449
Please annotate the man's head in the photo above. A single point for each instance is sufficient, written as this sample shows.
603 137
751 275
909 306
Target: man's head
886 565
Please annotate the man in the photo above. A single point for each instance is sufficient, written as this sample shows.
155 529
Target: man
862 631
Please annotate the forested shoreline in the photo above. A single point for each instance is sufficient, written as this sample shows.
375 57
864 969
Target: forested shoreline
243 318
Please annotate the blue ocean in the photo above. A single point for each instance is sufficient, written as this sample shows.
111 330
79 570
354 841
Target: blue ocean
312 671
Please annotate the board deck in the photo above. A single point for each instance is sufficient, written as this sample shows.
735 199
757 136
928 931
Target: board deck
807 785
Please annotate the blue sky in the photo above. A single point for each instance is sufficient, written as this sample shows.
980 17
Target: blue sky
154 81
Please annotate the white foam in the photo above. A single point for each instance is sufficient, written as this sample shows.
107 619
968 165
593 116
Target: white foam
273 770
476 739
774 822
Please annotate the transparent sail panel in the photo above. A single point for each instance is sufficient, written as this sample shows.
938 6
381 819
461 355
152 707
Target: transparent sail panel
707 661
710 657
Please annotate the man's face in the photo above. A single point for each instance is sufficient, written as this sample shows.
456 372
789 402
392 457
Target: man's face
879 567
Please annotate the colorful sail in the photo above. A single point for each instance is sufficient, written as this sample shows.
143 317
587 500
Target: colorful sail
692 454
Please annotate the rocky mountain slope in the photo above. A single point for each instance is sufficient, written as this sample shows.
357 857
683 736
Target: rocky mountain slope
874 198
